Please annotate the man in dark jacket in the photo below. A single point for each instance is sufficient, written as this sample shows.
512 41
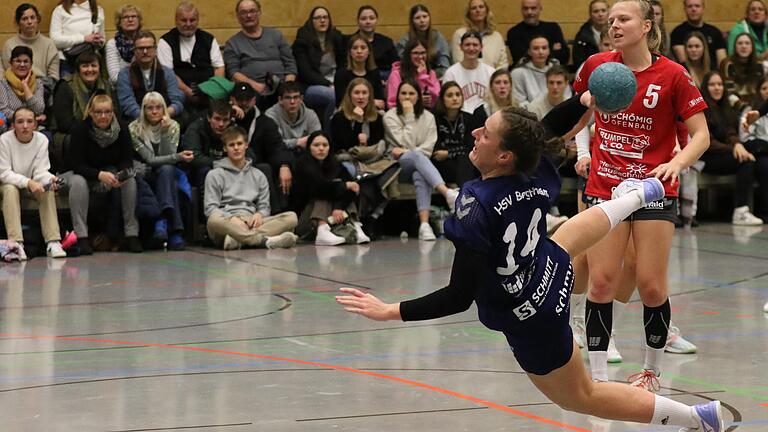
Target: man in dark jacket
519 35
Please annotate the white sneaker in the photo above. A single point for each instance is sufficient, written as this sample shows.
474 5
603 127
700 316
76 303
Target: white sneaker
360 234
676 344
54 250
614 356
22 253
230 243
426 233
579 331
326 238
285 240
554 222
743 217
450 198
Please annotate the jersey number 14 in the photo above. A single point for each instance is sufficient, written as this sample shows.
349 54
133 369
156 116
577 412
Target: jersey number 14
532 239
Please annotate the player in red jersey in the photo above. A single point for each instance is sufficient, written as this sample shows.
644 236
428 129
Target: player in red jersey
639 143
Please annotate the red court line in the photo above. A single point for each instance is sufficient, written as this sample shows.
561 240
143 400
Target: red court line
425 386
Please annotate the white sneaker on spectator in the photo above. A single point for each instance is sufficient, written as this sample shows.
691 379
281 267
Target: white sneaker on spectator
579 331
450 198
285 240
742 216
54 250
326 238
676 344
22 253
230 243
554 222
614 356
426 233
360 234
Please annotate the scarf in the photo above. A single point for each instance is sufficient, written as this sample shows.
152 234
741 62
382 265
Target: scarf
15 83
81 94
124 46
106 137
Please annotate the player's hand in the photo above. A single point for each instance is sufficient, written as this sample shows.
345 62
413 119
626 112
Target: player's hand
367 305
587 100
582 166
741 154
668 171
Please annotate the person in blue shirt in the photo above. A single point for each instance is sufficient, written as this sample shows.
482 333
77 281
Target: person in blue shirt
521 280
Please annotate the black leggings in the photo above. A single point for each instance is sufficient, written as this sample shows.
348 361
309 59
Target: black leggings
725 164
457 170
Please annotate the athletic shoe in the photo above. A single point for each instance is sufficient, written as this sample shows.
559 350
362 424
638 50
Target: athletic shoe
651 189
360 234
176 242
450 198
21 252
285 240
325 237
647 379
230 243
161 230
54 250
614 356
426 233
710 417
743 217
676 344
554 222
579 331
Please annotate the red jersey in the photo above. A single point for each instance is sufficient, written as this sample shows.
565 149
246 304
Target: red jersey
632 143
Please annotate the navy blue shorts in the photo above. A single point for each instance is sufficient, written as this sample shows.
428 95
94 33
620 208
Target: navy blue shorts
541 336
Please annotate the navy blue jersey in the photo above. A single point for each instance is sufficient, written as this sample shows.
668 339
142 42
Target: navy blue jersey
503 218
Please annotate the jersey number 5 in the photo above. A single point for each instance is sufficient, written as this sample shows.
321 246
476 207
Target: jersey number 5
651 96
510 234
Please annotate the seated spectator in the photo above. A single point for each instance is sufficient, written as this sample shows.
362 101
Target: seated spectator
102 155
410 132
294 120
24 169
46 55
19 87
454 136
319 52
203 139
754 25
726 155
155 140
360 64
384 51
265 145
325 194
119 50
587 38
258 56
420 27
414 67
694 21
76 27
742 71
528 76
479 19
237 202
498 98
557 83
144 75
194 55
755 140
665 47
470 73
697 57
531 25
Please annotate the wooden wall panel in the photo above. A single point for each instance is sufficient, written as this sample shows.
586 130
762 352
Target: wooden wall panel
218 17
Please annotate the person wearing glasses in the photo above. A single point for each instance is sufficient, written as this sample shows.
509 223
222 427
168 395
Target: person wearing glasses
146 74
46 61
19 87
119 49
294 120
258 55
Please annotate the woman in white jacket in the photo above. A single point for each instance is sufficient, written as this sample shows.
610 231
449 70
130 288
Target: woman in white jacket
74 23
411 133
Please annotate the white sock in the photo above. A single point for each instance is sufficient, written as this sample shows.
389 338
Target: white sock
673 413
620 208
577 305
598 364
653 359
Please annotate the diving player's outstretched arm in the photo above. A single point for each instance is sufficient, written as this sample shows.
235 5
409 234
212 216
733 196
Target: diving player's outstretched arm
454 298
570 116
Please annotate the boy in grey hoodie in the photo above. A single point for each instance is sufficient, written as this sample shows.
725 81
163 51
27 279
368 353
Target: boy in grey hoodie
294 120
237 202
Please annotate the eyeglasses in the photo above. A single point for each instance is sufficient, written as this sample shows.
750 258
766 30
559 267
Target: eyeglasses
249 12
144 49
321 18
102 113
130 17
153 107
22 62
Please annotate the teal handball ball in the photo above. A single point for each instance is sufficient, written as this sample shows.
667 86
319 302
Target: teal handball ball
613 85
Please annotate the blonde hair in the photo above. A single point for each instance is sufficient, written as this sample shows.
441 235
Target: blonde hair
142 124
490 98
97 99
653 38
490 21
125 8
347 107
